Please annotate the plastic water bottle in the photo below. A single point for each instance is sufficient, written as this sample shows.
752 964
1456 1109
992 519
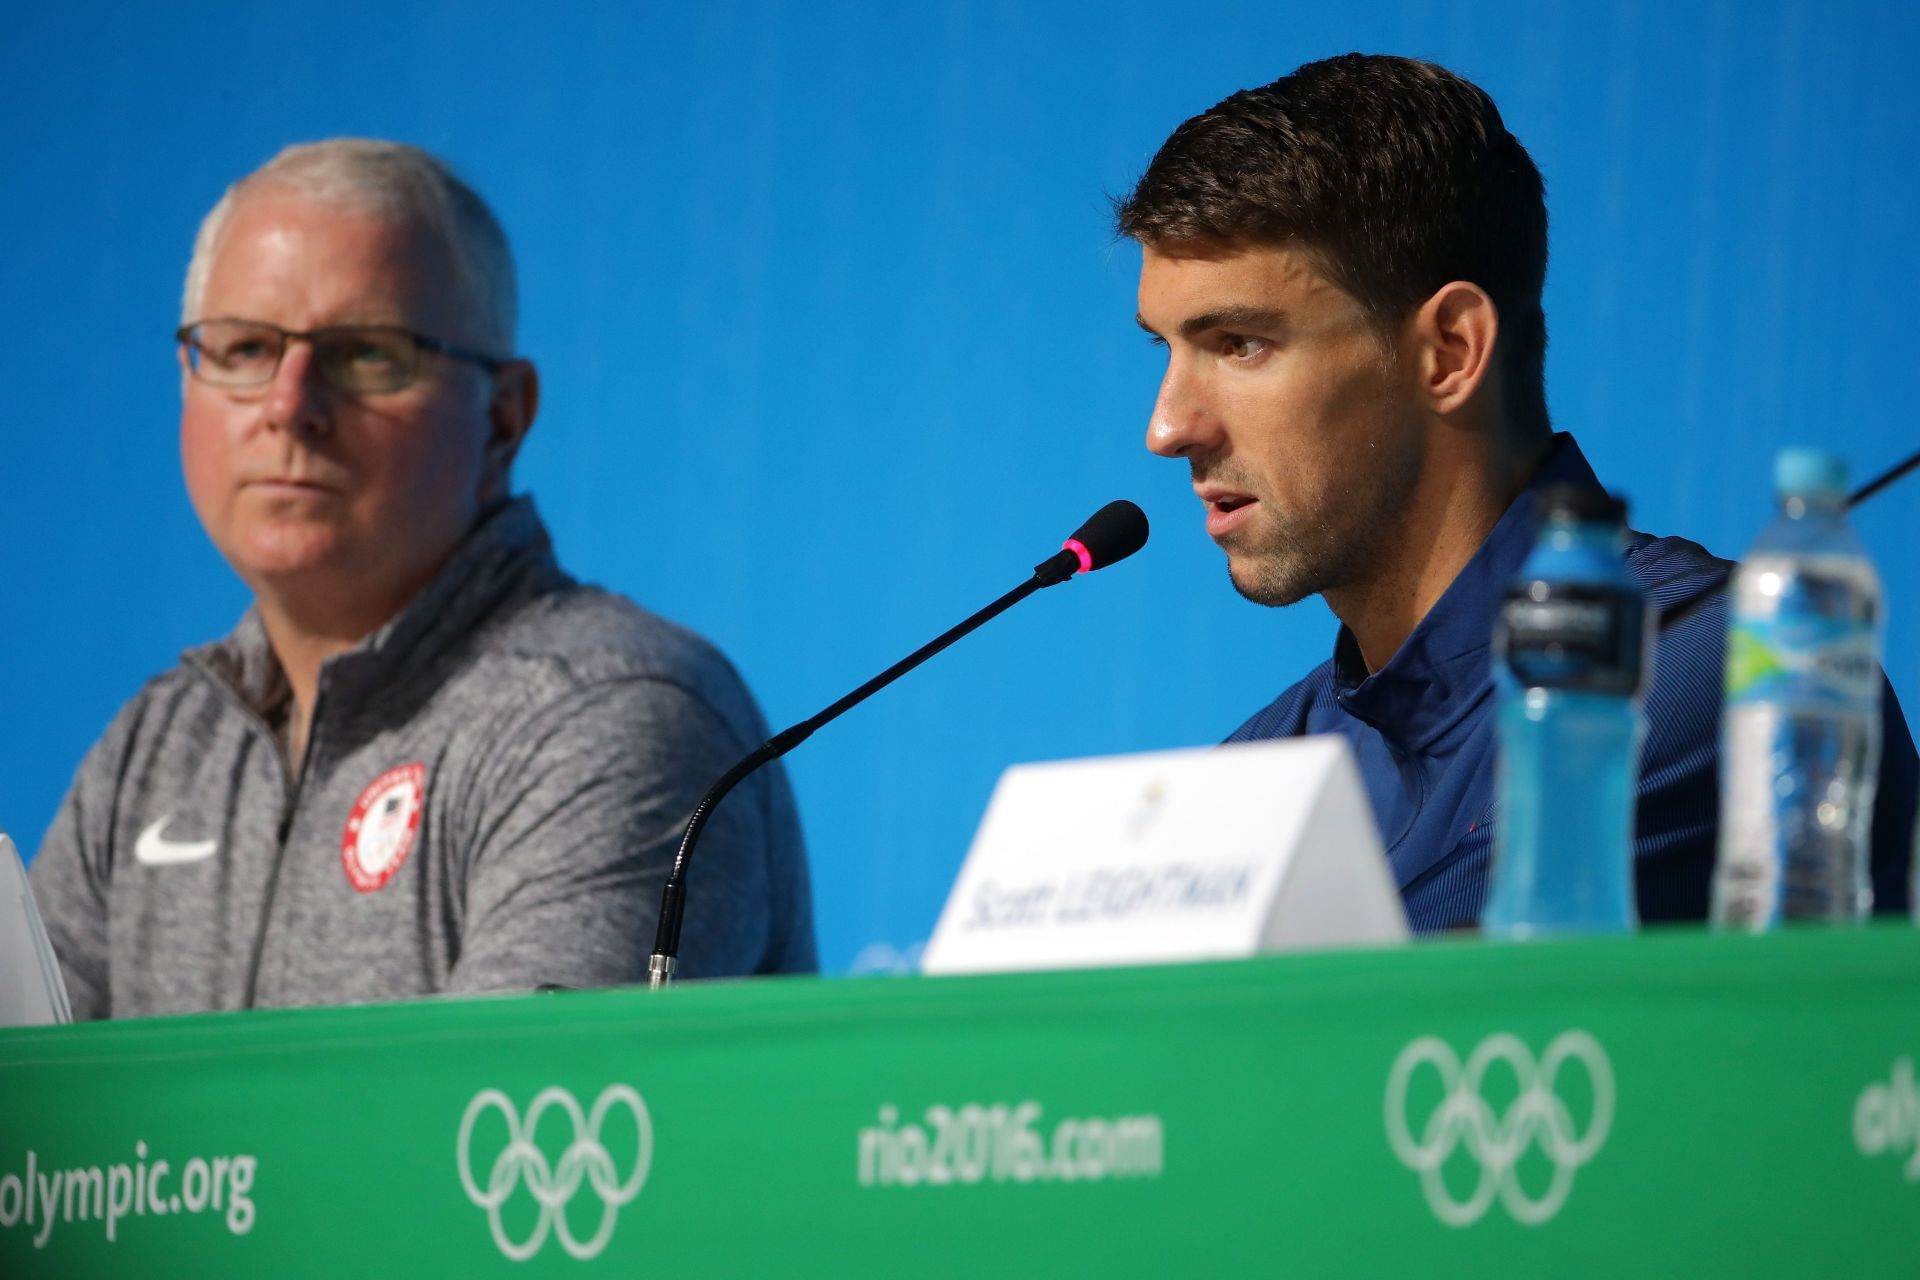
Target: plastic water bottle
1800 742
1571 646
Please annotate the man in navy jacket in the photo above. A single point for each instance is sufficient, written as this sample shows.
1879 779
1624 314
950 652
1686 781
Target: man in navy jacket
1345 267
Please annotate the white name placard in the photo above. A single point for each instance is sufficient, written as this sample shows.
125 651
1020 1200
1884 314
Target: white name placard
1175 855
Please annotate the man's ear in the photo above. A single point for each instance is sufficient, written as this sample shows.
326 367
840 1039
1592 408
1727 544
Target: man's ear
1455 331
510 413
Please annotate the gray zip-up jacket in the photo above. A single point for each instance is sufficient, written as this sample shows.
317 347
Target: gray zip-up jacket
494 786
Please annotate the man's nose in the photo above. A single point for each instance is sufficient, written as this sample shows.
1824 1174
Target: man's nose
297 400
1182 422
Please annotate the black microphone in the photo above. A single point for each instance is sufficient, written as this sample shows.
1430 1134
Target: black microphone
1113 533
1109 536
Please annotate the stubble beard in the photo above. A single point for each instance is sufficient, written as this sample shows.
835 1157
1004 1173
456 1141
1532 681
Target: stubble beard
1347 539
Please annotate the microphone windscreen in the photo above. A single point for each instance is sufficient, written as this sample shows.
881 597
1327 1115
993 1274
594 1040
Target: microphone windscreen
1111 534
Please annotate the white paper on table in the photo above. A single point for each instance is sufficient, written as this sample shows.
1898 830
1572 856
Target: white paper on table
32 992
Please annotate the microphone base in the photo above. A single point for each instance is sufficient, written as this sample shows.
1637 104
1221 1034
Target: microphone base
660 971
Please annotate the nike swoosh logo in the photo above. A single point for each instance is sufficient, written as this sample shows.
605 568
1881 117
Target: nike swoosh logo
157 851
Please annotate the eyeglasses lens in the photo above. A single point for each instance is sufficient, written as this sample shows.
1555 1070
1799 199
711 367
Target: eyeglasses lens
234 353
365 359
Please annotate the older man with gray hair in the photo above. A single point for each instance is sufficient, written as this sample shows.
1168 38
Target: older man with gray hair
427 760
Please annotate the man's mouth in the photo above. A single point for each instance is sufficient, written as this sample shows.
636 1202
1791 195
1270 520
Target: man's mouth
289 485
1226 509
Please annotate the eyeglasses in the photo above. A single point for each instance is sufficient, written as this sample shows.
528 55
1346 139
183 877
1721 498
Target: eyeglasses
360 359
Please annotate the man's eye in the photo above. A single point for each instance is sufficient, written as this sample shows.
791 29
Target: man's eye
361 354
1242 348
244 351
368 354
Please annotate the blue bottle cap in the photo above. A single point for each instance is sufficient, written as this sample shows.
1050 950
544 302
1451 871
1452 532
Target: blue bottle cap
1808 473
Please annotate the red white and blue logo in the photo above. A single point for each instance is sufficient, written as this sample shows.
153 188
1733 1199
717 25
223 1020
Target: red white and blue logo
381 829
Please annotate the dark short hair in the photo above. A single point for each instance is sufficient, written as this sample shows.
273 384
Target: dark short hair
1398 175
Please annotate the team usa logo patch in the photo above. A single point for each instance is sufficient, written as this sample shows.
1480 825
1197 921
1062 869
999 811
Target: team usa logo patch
381 828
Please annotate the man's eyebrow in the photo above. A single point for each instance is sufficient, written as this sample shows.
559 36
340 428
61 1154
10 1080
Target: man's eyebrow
1234 318
1265 319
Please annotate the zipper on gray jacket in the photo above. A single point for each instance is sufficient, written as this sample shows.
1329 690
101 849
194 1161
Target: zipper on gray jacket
290 784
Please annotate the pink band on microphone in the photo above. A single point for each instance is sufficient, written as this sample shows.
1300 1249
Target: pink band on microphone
1079 548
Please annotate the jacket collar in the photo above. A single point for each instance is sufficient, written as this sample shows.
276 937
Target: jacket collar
1444 669
508 554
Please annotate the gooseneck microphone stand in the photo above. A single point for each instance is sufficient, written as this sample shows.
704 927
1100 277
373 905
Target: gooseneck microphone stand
666 946
1114 532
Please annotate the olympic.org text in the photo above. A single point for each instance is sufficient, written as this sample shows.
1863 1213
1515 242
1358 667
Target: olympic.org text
1001 1143
111 1194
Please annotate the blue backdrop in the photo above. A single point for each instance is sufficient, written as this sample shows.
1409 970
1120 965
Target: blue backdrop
814 286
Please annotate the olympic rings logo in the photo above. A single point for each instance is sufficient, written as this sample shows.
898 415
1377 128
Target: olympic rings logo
554 1186
1497 1143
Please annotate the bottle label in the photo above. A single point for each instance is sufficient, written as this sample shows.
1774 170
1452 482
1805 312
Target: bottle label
1804 659
1579 636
